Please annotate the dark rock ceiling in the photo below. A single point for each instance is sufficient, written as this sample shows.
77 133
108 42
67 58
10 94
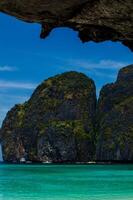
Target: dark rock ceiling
95 20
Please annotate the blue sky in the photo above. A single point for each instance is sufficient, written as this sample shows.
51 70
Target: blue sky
26 60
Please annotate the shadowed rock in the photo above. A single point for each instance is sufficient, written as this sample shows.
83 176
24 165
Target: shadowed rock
95 20
115 118
60 123
55 125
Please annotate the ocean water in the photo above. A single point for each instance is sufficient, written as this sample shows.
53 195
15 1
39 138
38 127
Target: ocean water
66 182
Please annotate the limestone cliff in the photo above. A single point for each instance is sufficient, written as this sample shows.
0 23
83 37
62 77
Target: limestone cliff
115 118
60 122
55 125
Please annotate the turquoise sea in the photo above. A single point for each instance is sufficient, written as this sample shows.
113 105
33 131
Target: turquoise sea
66 182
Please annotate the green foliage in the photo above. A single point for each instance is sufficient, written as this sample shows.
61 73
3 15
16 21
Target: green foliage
80 132
62 106
75 127
20 115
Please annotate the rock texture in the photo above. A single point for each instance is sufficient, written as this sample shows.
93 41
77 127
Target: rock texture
55 125
96 20
115 118
60 122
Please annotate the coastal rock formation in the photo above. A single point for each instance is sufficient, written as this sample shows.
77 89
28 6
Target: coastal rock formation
115 118
60 123
55 125
95 20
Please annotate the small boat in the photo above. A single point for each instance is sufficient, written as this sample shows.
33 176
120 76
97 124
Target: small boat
28 162
22 160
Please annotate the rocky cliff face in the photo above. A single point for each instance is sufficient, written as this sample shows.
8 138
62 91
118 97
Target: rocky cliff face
56 124
115 118
60 123
96 20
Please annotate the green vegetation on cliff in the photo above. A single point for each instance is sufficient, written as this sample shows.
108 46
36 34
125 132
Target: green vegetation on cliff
115 118
56 124
60 122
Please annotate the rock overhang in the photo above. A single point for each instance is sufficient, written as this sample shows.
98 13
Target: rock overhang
95 20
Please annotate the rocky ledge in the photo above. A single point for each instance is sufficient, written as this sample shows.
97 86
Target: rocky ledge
96 20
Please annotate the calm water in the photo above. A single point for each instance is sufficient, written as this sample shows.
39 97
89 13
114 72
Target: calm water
66 182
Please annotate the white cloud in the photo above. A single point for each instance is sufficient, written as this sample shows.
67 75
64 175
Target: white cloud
3 110
7 68
13 98
102 68
17 85
103 74
102 64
